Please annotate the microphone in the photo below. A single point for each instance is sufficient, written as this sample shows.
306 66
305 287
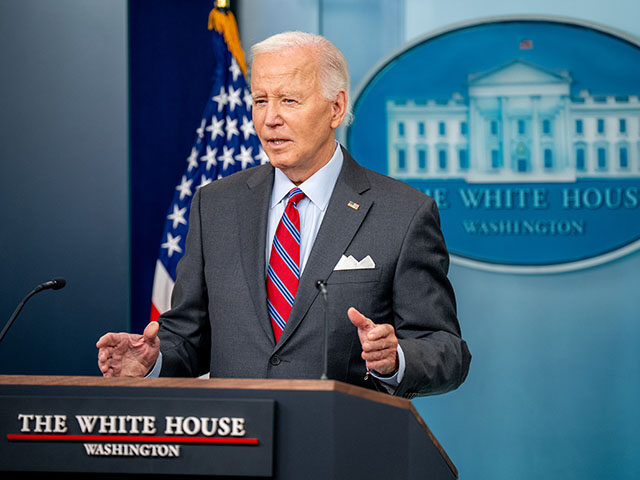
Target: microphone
55 284
322 286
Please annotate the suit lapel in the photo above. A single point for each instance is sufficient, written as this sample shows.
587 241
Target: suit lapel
253 210
339 225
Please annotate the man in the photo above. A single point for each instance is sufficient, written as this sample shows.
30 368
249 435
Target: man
246 302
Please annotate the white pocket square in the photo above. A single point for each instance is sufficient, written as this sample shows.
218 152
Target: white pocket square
350 263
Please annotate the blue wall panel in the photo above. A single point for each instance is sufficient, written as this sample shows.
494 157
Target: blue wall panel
63 180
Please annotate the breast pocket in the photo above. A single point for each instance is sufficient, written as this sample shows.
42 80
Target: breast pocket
364 275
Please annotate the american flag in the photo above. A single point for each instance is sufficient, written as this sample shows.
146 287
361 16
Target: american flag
225 142
526 44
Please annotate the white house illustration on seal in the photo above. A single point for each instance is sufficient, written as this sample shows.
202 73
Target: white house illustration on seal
519 124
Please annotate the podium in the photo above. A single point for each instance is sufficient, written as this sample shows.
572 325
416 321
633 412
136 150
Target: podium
214 428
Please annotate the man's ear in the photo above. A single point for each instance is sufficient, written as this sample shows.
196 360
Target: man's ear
338 109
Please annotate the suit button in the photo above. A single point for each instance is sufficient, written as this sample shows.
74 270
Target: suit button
275 360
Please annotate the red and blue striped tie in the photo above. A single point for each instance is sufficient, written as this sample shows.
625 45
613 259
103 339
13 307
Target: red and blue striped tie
283 273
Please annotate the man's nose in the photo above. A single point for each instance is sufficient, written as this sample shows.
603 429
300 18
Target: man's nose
272 115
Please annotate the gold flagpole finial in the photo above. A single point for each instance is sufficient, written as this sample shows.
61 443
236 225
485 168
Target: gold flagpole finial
221 19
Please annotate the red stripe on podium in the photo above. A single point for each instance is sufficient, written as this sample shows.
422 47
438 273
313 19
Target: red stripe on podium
132 438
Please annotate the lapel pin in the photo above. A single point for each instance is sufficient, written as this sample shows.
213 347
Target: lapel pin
353 205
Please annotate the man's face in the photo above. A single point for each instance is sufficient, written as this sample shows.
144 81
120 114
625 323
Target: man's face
294 122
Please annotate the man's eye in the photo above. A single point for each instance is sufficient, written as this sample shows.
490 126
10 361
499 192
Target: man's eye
289 100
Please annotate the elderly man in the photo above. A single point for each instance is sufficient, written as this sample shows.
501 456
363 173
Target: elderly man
246 303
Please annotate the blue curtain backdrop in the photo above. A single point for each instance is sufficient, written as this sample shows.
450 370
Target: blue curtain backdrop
171 65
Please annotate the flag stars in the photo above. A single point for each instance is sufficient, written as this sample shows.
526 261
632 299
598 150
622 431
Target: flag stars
248 100
185 187
233 98
247 127
177 217
232 128
262 157
235 69
210 157
204 181
192 159
220 99
215 128
244 156
172 244
227 157
200 129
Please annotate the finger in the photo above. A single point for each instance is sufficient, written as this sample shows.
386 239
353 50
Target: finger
103 355
103 366
106 340
379 345
381 331
149 336
379 355
359 320
151 332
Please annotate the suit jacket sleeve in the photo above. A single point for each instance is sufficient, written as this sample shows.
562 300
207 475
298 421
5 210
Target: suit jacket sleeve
437 359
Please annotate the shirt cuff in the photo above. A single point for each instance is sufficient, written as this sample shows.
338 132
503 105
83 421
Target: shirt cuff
155 371
394 380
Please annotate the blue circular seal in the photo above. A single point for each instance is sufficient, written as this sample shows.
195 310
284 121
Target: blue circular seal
525 130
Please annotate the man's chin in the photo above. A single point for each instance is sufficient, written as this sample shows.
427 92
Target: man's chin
290 170
281 162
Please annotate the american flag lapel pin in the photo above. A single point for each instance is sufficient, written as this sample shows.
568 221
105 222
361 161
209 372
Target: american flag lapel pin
353 205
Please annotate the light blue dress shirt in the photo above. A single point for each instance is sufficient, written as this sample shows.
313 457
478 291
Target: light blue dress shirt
318 189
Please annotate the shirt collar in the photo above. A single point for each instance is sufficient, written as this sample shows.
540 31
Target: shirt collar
318 187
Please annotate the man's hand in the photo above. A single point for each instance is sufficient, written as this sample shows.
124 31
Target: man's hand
379 343
128 354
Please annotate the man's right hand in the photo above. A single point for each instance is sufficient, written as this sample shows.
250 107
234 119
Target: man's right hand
128 354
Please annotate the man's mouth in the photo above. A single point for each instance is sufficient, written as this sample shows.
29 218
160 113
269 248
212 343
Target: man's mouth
277 141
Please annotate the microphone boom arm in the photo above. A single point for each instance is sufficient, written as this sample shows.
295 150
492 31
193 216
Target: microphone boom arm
55 284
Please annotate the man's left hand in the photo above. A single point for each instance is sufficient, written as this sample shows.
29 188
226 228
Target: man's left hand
379 343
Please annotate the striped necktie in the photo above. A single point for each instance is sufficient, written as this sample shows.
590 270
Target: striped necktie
283 272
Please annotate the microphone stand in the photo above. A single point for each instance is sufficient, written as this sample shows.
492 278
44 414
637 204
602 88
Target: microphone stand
18 310
322 286
54 284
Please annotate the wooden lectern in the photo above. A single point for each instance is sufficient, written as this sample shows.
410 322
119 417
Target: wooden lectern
218 428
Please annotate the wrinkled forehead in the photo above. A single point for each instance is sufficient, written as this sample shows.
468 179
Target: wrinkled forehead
288 65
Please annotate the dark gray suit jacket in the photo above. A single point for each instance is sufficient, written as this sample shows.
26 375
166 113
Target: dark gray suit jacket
219 320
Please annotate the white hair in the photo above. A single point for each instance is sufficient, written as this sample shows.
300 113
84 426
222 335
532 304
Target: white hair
333 70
